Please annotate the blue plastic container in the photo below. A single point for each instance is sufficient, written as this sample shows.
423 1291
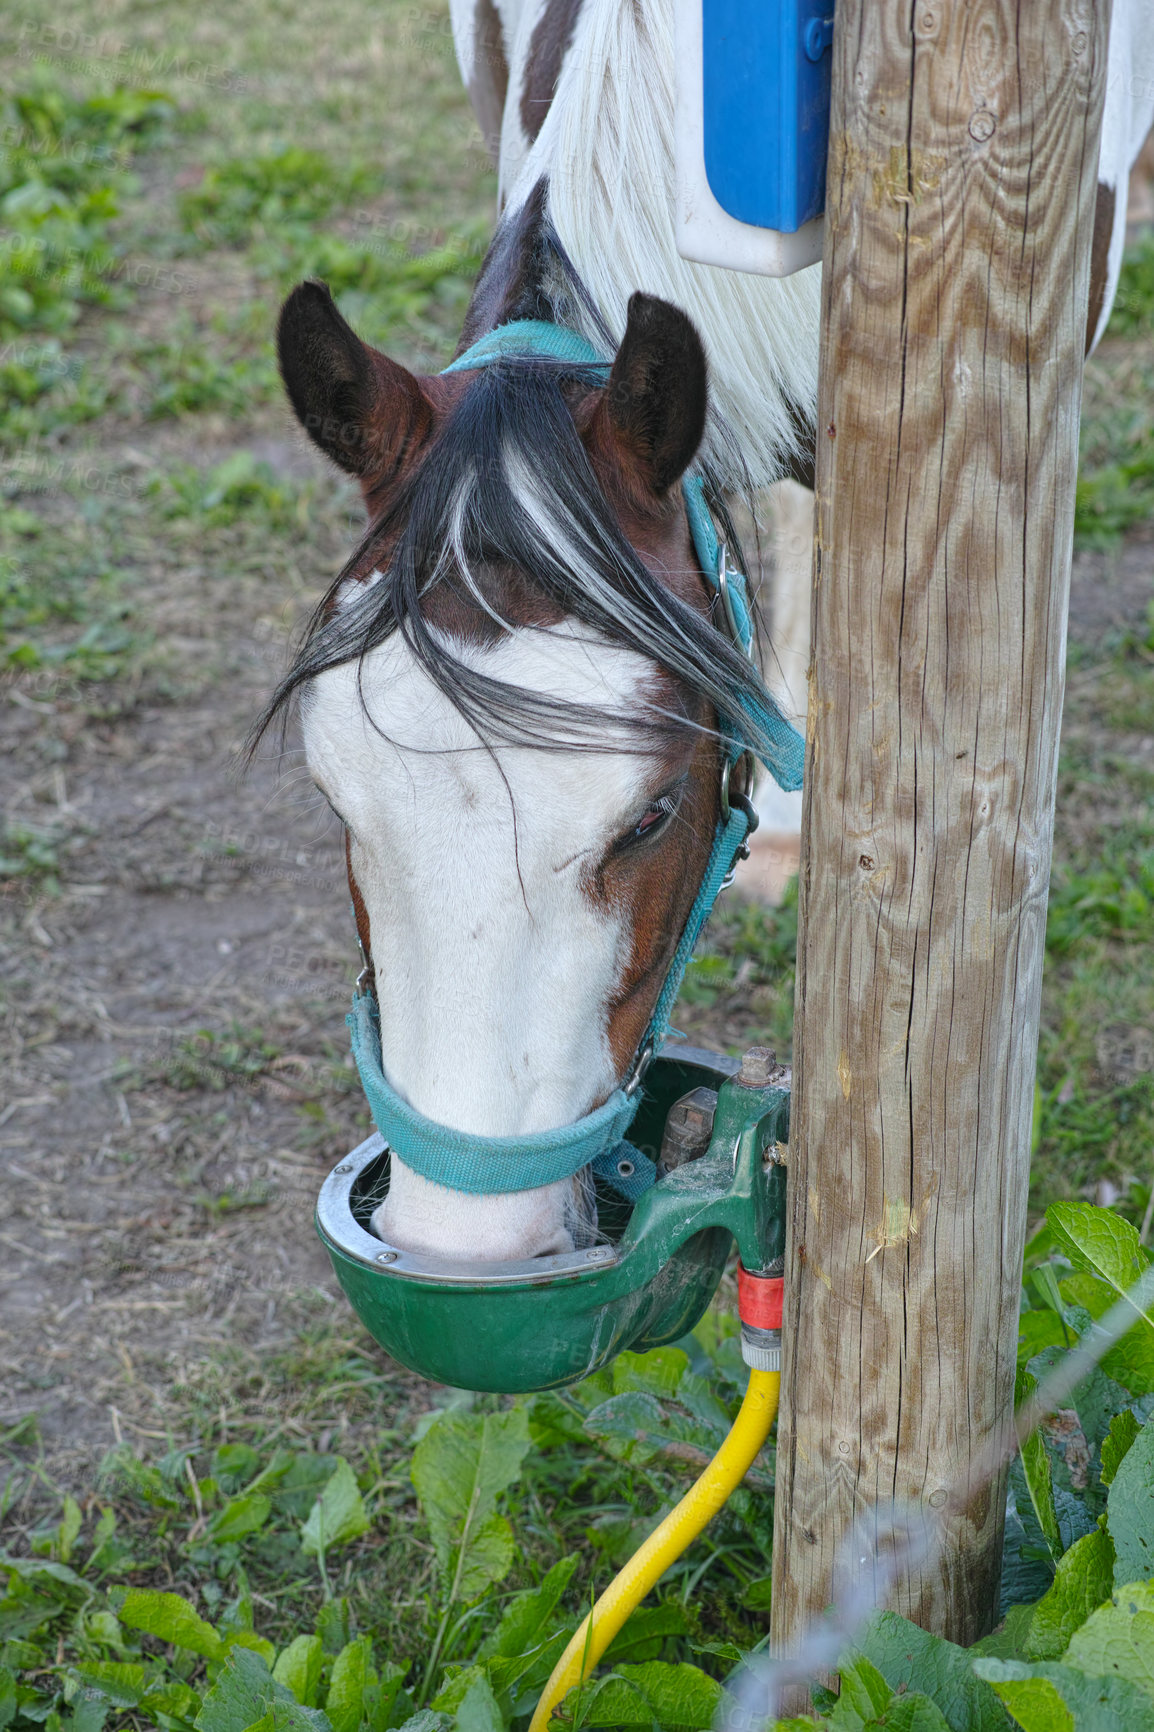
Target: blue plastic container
766 83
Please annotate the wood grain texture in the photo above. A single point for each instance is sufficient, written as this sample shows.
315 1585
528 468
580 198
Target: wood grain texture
963 157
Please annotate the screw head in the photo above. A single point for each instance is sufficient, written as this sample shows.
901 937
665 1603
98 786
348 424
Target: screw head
386 1257
345 1167
758 1067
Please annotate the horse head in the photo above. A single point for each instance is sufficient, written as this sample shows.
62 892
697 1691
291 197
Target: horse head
510 699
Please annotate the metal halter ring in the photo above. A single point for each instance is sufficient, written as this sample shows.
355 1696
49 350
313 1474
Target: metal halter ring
742 801
728 800
727 607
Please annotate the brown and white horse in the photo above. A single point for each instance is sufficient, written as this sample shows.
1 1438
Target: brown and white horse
510 695
578 94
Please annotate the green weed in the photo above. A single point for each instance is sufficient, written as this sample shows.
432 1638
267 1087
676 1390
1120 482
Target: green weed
209 1059
301 1557
292 187
63 163
193 371
1114 899
279 207
382 287
244 1580
238 488
1129 696
43 389
29 851
1112 499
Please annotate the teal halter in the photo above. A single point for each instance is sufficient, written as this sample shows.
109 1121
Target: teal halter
487 1165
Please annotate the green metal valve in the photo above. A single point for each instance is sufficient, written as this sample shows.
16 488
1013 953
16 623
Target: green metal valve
544 1322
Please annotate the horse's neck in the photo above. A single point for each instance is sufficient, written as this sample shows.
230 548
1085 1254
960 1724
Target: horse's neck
601 169
519 278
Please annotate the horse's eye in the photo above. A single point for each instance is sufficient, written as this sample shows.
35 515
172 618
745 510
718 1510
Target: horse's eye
653 819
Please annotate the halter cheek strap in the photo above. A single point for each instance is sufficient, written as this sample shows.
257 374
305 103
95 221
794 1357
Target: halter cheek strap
487 1165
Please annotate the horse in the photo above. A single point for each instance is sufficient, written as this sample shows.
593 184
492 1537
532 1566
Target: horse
579 94
528 697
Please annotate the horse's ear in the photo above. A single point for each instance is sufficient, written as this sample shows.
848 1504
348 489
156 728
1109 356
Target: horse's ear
656 395
359 407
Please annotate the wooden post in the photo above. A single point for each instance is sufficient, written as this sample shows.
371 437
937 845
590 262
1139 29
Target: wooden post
962 173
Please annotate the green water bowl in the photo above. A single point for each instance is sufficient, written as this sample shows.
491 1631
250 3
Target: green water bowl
543 1322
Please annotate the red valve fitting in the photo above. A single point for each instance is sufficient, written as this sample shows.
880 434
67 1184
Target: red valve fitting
760 1299
759 1305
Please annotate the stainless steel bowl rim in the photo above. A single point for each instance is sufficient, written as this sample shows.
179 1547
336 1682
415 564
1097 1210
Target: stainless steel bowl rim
340 1228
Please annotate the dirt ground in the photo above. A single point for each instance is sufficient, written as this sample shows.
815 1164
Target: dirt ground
158 1204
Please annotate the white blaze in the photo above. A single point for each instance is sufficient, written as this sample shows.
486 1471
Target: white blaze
494 968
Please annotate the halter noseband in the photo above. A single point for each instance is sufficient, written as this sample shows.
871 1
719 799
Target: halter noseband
480 1165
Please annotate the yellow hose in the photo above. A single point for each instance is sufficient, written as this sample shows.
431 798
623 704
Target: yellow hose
666 1543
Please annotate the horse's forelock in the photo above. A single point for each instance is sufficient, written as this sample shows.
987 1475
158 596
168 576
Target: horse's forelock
505 523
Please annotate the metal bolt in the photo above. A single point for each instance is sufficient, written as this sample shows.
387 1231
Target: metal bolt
386 1256
688 1128
759 1068
345 1167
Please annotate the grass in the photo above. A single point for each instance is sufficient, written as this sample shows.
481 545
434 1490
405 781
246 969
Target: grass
63 176
248 199
1116 479
76 231
1133 314
1115 496
1094 1122
62 597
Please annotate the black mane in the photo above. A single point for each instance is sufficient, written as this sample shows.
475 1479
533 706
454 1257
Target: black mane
531 501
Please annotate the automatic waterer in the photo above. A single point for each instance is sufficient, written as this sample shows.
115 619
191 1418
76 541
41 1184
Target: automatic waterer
548 1321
